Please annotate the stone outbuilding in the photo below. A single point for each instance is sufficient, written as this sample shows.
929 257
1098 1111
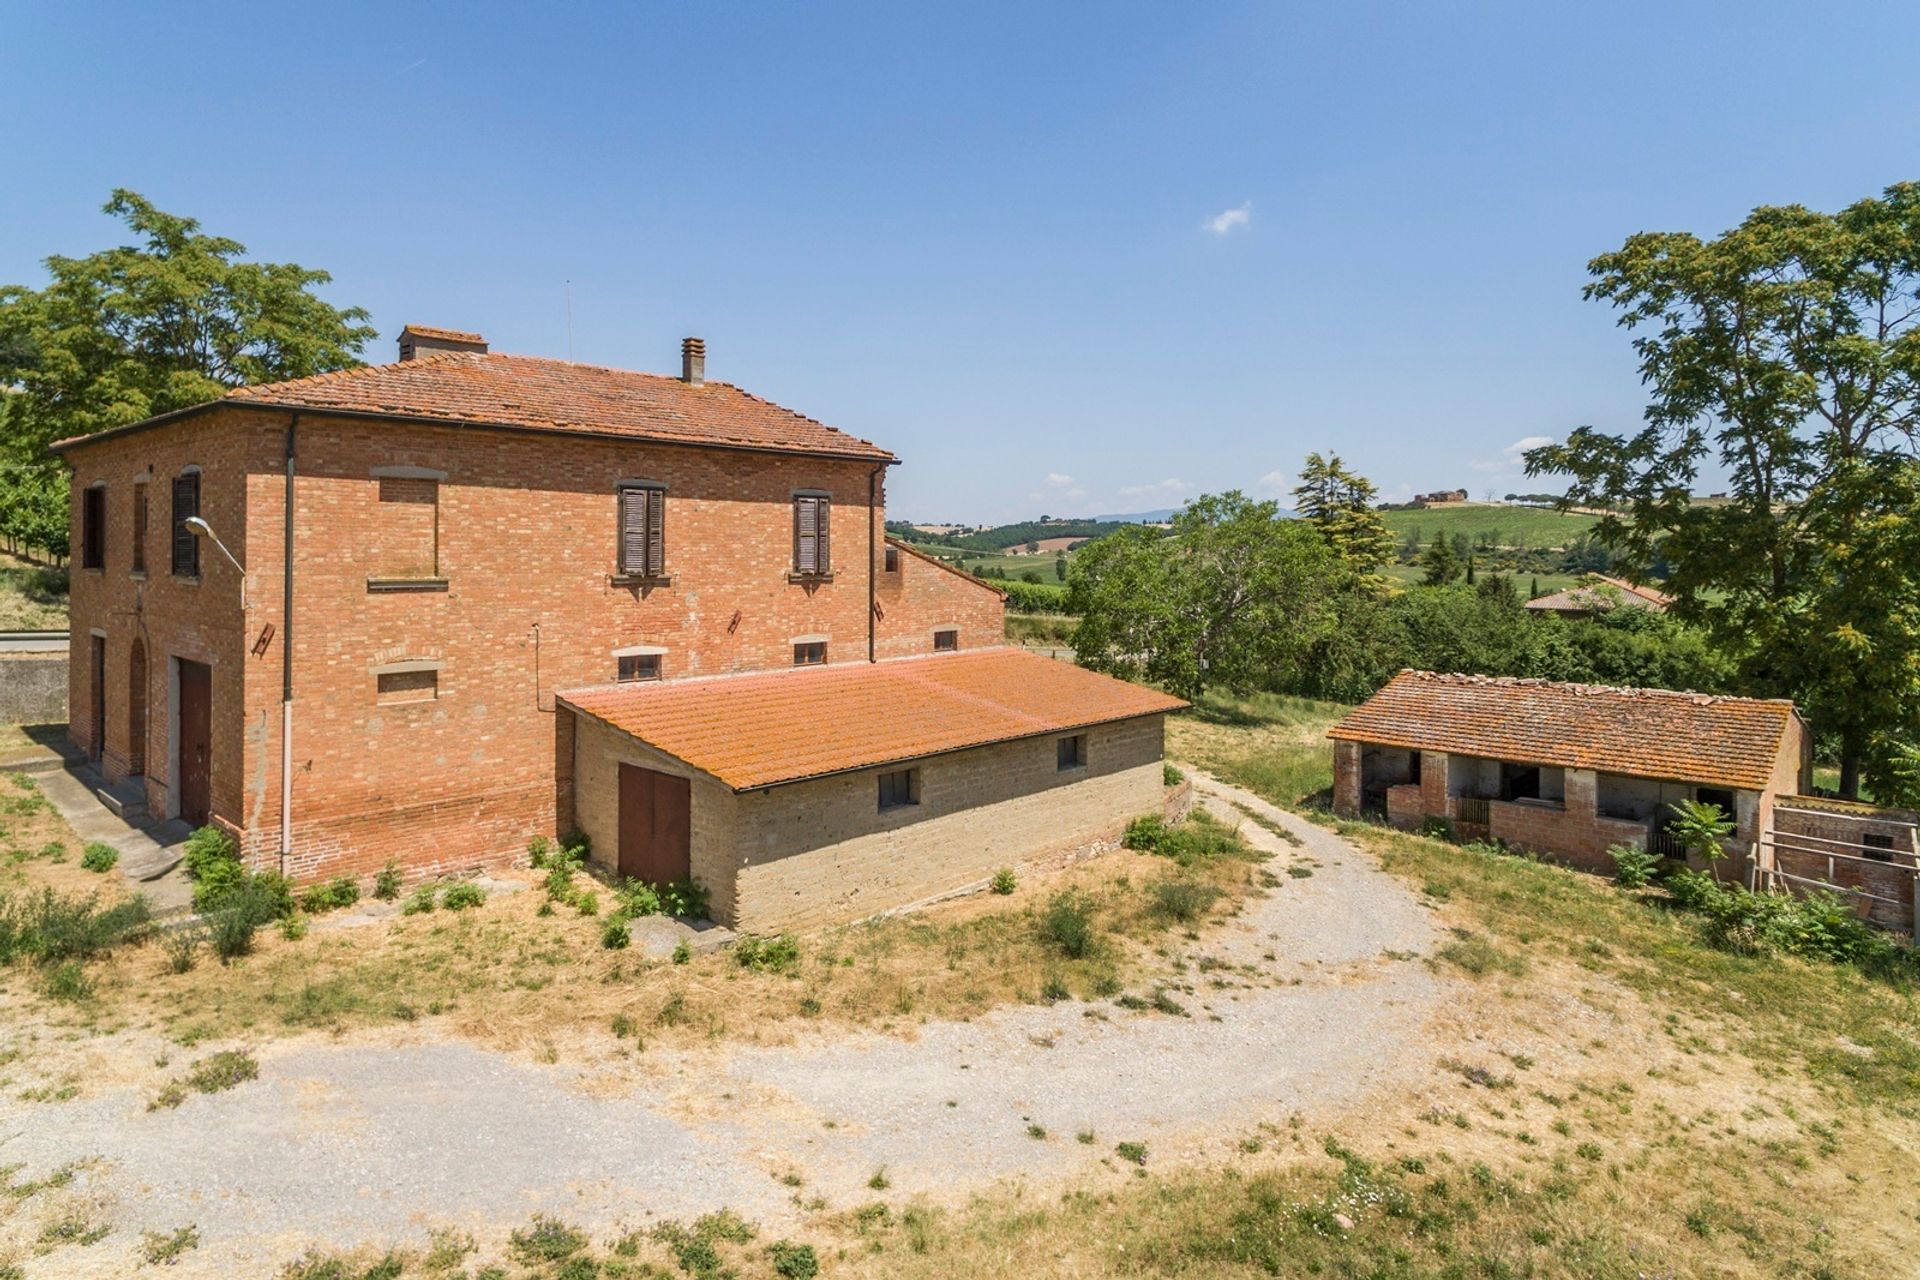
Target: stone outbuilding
814 796
1567 770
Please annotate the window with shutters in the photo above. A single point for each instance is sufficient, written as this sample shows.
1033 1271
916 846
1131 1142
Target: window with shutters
406 530
946 640
899 789
93 527
643 531
812 544
186 505
140 527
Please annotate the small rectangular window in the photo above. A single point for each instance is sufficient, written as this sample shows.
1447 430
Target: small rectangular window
946 640
408 686
643 531
93 528
140 528
639 666
812 543
186 505
1070 753
899 788
812 653
1878 847
891 561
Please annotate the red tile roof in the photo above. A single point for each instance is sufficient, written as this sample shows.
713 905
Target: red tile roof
1592 596
1646 733
762 730
558 395
537 394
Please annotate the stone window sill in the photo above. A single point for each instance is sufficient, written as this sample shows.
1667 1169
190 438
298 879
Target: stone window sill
406 584
640 580
138 575
809 578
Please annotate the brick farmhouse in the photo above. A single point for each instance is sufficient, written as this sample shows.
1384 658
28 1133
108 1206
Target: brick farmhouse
422 612
1567 770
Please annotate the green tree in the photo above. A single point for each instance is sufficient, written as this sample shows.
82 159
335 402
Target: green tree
1060 568
1786 352
1700 828
171 321
1441 563
1340 503
1233 596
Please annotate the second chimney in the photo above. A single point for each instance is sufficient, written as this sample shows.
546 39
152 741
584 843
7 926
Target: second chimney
418 340
693 361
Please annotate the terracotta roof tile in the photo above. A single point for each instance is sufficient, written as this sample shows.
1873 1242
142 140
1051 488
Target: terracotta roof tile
558 395
1592 597
762 730
1646 733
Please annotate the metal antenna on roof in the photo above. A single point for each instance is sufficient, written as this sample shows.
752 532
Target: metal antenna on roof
569 322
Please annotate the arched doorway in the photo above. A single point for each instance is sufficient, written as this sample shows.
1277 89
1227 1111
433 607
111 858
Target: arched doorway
137 708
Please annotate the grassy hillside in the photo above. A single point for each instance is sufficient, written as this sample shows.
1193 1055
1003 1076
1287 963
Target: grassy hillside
1526 527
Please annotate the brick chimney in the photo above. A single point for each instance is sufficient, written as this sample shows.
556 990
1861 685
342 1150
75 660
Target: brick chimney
418 340
693 361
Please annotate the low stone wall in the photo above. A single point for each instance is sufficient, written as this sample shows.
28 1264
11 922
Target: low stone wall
33 688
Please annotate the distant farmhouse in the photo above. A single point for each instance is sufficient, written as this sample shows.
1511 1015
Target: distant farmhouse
1600 594
1439 496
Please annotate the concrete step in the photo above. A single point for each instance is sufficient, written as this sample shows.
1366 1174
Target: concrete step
127 798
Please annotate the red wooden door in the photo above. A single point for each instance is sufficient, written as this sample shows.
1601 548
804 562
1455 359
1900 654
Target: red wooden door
656 831
195 741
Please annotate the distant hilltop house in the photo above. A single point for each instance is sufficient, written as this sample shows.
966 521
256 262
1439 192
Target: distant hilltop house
1568 770
428 610
1599 594
1438 496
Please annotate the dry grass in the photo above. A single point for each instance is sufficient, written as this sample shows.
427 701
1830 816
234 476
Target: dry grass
509 976
33 597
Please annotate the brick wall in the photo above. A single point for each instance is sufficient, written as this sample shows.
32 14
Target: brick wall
1807 829
523 531
922 595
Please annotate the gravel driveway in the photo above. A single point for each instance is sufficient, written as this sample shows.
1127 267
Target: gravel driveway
1315 1006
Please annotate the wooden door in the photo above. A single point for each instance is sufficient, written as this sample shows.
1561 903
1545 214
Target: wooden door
137 708
656 831
97 710
194 743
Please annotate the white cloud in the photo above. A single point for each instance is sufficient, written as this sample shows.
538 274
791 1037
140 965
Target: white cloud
1512 460
1168 488
1056 487
1224 222
1276 482
1055 480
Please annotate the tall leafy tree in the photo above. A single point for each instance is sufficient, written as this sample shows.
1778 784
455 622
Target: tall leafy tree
1787 352
174 319
1340 503
1440 563
1233 596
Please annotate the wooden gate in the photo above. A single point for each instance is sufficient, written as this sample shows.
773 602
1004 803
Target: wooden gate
656 830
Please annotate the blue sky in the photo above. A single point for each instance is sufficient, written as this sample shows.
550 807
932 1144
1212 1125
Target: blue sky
1062 259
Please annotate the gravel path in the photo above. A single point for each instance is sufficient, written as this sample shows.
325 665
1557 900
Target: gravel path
346 1143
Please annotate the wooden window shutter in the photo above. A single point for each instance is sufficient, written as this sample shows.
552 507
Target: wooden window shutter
656 533
186 547
822 515
806 535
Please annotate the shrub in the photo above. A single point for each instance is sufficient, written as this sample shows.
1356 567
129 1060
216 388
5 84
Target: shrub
293 927
1633 868
341 891
52 928
1170 775
68 982
637 898
183 948
462 894
767 955
587 902
1191 842
1003 881
682 952
206 849
1820 926
1145 833
1068 924
547 1240
419 901
1700 827
1179 898
1437 829
684 898
386 885
539 849
1132 1152
613 934
793 1261
100 857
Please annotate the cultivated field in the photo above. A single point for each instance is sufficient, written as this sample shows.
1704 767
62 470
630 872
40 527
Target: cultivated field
1508 526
